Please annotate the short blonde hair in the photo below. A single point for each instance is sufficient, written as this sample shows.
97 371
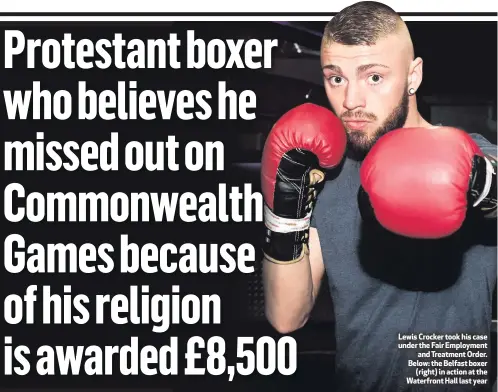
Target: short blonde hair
362 23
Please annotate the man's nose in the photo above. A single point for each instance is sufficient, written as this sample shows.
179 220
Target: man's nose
354 97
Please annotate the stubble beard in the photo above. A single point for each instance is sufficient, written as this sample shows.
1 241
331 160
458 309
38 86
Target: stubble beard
359 143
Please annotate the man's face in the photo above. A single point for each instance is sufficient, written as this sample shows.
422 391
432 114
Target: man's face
367 89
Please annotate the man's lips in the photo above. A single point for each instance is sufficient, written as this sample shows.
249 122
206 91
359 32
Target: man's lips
356 124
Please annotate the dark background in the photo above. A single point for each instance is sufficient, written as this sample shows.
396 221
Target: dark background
459 88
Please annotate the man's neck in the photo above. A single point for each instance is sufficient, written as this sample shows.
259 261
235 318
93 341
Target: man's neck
414 118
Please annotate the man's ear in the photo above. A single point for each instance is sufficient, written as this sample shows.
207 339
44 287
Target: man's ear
415 74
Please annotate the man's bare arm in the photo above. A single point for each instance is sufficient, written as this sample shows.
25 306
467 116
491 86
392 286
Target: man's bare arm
291 290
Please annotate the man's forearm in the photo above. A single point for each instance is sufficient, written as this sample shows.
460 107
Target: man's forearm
289 294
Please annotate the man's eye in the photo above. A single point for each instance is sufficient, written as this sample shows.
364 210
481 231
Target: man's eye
374 79
336 80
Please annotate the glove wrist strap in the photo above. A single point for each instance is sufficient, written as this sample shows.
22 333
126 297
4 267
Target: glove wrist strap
279 224
287 248
286 240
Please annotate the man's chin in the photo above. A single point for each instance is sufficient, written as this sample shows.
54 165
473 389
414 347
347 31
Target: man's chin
359 144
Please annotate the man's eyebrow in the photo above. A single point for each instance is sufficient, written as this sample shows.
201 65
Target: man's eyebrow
333 67
366 67
359 70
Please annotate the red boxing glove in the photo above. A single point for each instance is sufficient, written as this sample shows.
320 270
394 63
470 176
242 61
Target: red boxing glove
303 141
420 182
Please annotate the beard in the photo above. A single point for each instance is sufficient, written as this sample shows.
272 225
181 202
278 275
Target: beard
359 143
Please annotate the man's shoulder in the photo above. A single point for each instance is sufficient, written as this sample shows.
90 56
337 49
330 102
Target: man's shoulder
482 142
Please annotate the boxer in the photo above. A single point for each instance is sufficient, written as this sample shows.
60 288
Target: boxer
423 261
